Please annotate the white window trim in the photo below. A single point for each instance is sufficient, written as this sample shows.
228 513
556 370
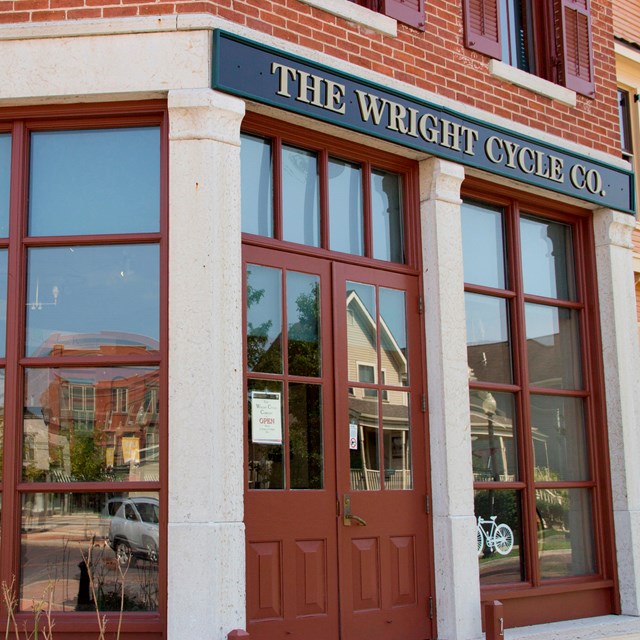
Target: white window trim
526 80
355 13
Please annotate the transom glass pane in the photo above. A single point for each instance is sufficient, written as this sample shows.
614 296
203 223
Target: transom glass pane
100 300
559 439
396 427
74 430
115 536
553 347
488 343
305 436
257 186
493 436
5 181
364 441
300 197
95 181
483 245
345 207
565 540
303 323
499 536
386 216
547 258
264 319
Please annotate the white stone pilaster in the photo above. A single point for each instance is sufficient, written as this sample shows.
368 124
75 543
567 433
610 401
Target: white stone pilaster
206 545
621 358
454 524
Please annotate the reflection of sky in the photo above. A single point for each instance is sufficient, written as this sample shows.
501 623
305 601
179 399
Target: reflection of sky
300 197
5 179
269 307
486 319
257 199
345 207
95 181
100 289
299 284
392 311
482 245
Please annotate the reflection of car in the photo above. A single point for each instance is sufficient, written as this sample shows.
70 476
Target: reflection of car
134 529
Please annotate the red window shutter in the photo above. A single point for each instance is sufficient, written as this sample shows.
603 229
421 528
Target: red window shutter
482 27
577 54
409 12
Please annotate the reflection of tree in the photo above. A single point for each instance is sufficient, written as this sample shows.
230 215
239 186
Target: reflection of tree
304 349
257 336
87 457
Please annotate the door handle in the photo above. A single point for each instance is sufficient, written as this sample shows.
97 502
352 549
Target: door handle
348 516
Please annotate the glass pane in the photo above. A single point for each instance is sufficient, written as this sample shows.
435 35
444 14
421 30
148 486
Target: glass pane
3 302
95 181
257 186
393 337
5 180
499 536
483 245
396 426
559 439
362 342
565 538
345 207
547 258
266 435
65 536
493 436
305 436
303 322
553 347
264 319
386 216
364 441
488 344
101 300
76 427
300 197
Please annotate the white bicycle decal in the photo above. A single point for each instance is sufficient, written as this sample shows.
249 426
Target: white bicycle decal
499 537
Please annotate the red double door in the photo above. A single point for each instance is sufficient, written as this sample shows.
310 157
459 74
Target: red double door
336 505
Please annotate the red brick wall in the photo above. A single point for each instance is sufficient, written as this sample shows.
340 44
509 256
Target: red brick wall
435 59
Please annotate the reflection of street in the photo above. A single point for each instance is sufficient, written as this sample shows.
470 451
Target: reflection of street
497 569
52 557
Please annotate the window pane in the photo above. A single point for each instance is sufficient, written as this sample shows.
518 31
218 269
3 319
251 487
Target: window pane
66 535
305 436
264 319
5 180
101 300
266 435
565 545
362 343
3 302
303 321
300 197
257 186
364 441
559 439
73 432
95 181
488 344
553 347
345 207
547 259
386 216
1 422
624 117
393 336
482 245
499 536
396 427
493 436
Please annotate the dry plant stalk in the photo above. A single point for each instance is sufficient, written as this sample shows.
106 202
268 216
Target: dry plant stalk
43 605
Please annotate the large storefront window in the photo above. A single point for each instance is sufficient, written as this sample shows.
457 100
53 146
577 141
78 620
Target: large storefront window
81 352
538 447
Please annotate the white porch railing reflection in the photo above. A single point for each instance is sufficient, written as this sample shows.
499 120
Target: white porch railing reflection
369 479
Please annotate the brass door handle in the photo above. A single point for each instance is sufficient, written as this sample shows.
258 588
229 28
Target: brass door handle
348 516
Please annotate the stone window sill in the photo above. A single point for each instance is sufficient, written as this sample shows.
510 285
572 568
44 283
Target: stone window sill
357 14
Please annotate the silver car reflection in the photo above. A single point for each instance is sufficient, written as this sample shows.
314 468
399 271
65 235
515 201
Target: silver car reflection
134 530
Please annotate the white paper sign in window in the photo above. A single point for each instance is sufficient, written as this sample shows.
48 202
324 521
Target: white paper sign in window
266 420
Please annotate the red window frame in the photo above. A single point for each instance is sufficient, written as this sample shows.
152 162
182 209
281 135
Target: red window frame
20 122
536 601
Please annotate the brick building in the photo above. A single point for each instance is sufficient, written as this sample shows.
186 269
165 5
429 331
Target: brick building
344 286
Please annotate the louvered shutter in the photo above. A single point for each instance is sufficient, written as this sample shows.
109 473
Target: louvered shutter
409 12
482 27
577 54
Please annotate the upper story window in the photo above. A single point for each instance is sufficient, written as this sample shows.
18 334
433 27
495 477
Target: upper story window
409 12
626 132
548 38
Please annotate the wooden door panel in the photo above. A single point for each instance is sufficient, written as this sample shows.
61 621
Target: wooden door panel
365 574
311 577
264 586
403 570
